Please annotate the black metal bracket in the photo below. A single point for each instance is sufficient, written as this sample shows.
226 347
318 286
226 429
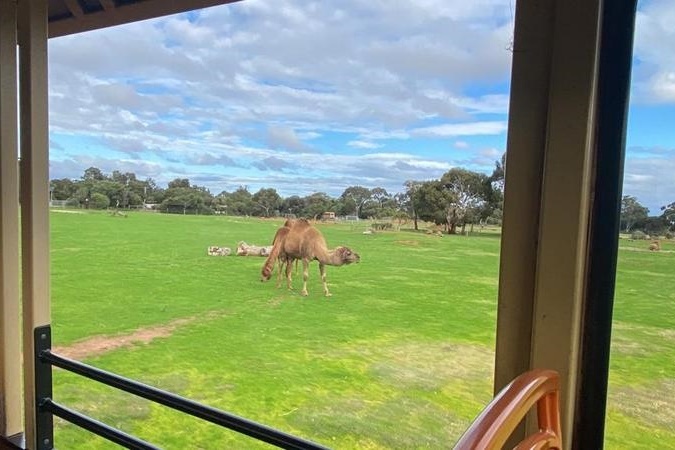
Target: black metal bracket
44 422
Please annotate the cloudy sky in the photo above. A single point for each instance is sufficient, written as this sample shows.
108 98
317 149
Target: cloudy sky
318 96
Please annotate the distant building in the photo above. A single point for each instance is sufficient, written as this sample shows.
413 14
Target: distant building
328 215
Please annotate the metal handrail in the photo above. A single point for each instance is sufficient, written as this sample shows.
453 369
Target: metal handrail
222 418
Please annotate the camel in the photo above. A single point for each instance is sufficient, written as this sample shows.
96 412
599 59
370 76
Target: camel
281 258
301 241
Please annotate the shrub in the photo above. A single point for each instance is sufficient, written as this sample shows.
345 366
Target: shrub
73 202
98 201
638 235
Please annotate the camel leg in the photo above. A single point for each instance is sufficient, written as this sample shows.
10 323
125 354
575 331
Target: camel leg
289 272
280 263
322 271
305 275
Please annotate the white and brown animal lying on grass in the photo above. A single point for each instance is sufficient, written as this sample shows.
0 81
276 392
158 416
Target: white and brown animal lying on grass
655 246
244 249
218 251
300 240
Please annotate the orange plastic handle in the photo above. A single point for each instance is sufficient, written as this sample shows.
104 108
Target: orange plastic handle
494 425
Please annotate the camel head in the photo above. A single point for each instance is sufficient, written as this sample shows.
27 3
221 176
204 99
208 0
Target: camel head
266 273
346 255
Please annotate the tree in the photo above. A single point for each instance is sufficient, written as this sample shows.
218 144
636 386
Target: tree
380 195
179 183
468 190
292 205
494 193
632 213
93 174
62 189
668 215
237 203
359 195
407 200
654 225
316 204
267 200
432 202
99 201
182 198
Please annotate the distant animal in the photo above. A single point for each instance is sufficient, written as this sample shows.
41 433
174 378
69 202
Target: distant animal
244 249
218 251
655 246
302 241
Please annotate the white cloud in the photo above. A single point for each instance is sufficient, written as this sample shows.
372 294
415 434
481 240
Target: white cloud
363 144
264 84
654 50
649 177
462 129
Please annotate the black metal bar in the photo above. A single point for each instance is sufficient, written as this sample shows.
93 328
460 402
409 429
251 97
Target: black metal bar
112 434
44 422
213 415
616 52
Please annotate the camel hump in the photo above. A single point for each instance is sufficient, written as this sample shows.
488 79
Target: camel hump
301 223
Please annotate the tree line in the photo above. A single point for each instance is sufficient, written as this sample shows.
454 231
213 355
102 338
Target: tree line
635 219
458 198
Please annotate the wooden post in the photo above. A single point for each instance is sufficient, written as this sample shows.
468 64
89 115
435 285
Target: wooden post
548 193
10 338
34 193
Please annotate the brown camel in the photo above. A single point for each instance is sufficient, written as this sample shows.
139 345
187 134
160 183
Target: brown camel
281 259
301 241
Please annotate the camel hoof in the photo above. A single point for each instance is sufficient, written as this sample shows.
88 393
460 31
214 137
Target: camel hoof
304 293
328 294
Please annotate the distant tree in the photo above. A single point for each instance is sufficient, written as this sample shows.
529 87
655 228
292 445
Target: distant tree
499 174
63 189
268 200
359 195
237 203
99 201
112 190
293 205
654 225
668 215
380 195
93 174
179 183
432 201
468 191
316 204
494 193
407 200
632 213
187 200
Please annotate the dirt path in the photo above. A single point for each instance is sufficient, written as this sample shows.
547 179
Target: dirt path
99 345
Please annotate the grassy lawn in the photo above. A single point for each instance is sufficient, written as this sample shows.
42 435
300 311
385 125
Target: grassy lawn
399 358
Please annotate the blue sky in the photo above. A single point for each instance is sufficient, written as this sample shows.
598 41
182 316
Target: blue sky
318 96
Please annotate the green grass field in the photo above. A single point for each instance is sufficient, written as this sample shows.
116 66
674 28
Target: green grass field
400 357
